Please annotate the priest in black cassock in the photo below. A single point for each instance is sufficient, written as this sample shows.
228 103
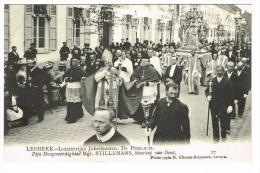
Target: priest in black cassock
171 119
105 135
73 76
143 75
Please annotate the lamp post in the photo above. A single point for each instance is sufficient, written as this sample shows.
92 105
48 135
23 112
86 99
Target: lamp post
135 24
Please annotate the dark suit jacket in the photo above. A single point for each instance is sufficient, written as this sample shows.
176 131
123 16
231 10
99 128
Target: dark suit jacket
64 52
30 53
37 76
222 93
37 82
232 57
233 79
127 45
122 46
173 124
13 58
177 75
242 84
247 69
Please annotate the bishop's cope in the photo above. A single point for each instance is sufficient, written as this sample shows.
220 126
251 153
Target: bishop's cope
121 91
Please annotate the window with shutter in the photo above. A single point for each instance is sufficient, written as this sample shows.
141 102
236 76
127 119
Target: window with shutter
29 8
74 24
40 9
39 30
69 32
53 28
37 27
53 10
6 29
28 29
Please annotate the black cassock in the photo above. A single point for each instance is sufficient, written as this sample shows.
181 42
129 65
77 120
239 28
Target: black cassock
172 121
74 109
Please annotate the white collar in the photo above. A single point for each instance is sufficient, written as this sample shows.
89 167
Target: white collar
219 78
107 136
169 102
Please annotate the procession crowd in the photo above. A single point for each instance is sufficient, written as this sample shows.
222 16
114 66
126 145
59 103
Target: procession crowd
223 67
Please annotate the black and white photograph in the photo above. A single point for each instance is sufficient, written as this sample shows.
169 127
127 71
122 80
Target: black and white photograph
127 82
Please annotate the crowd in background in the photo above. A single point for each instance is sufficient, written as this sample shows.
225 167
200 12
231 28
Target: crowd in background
30 90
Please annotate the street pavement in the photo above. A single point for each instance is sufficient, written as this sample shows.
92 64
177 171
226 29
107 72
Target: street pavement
55 130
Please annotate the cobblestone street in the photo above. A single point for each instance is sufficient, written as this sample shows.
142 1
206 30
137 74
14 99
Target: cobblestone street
54 130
